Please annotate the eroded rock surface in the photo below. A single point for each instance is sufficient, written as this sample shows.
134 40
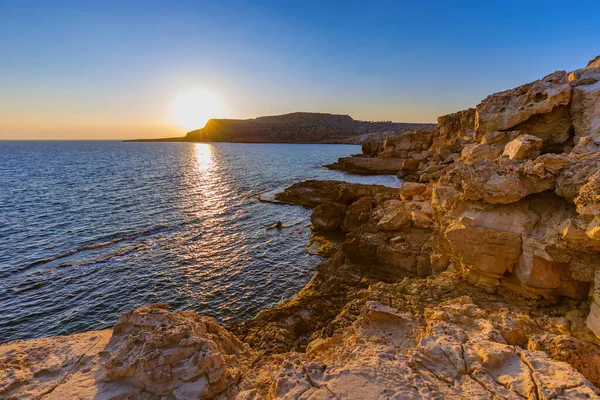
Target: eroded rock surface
478 278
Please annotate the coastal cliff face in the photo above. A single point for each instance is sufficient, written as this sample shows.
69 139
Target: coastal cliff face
479 277
294 128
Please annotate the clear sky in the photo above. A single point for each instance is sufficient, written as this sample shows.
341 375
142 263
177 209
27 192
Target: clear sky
113 69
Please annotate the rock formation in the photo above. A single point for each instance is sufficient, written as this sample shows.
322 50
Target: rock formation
479 277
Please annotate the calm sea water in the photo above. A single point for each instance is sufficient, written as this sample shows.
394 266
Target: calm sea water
89 230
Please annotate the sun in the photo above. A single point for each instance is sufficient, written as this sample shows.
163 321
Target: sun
191 109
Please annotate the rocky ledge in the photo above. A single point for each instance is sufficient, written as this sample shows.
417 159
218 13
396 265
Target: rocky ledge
479 277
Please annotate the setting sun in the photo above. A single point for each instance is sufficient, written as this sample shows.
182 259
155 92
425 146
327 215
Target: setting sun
191 109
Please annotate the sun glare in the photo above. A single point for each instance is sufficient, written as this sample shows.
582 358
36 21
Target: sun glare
191 109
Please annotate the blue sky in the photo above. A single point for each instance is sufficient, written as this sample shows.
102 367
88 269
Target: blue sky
110 69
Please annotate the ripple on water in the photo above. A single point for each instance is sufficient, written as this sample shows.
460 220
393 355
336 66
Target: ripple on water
89 230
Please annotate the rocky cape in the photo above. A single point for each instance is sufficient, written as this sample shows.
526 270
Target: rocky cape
298 127
478 278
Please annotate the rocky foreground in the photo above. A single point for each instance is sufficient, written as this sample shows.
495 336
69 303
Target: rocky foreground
478 278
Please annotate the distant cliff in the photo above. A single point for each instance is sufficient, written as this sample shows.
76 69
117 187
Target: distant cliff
298 127
290 128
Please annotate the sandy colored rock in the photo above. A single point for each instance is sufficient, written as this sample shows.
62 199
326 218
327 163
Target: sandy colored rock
496 251
368 165
488 181
420 219
409 189
394 220
524 146
585 114
311 193
52 368
358 213
595 63
179 353
506 110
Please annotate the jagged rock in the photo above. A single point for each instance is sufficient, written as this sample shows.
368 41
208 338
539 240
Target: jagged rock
523 147
409 189
496 251
179 353
575 175
593 229
595 63
452 126
394 220
311 193
495 184
420 219
358 213
585 114
553 163
459 350
327 217
583 356
544 100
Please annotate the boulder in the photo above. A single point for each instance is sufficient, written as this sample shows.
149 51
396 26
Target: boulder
166 353
327 217
409 189
523 147
394 220
358 213
420 219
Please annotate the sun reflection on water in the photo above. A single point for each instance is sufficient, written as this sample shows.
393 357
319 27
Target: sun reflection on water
204 153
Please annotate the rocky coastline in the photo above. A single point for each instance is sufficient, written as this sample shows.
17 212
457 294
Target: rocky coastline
479 277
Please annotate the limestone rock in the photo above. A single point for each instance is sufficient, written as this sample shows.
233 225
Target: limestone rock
52 368
394 220
495 184
585 113
595 63
180 353
508 109
409 189
575 175
524 146
420 219
358 213
486 250
368 165
311 193
327 217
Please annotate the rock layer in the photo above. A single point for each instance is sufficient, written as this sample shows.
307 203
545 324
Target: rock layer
477 278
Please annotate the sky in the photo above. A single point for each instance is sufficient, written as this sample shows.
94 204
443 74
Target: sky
113 69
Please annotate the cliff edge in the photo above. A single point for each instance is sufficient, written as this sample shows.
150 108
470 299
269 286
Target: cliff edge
479 277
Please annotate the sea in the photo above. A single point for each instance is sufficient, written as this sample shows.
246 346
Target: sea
91 229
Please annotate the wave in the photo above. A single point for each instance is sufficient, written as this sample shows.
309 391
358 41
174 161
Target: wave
97 244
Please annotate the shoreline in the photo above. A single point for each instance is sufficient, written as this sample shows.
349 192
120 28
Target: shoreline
477 277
